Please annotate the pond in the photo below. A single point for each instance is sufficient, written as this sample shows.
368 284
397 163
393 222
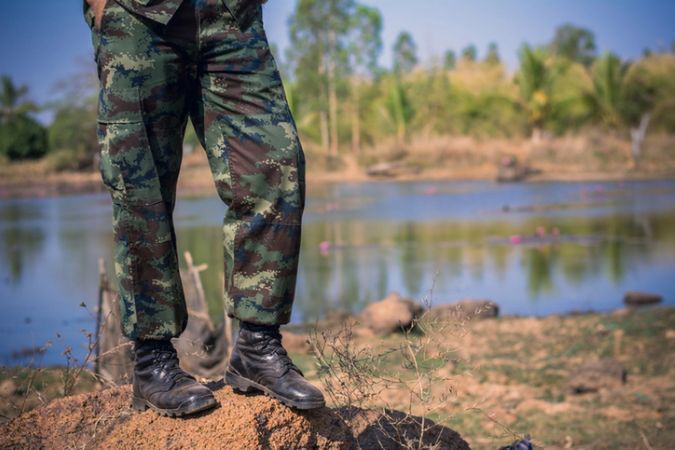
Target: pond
534 248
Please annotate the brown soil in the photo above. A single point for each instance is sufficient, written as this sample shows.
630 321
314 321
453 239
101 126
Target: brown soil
104 419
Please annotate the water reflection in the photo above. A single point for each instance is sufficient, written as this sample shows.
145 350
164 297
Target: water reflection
478 259
533 248
21 239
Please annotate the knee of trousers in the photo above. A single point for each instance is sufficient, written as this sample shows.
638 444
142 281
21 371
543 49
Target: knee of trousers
268 189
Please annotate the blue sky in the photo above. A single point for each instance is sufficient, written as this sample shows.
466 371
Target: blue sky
43 42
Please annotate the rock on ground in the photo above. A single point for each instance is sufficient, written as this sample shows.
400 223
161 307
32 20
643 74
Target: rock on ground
104 419
391 314
641 298
465 309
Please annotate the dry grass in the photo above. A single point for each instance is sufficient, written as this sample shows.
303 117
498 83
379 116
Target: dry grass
497 379
592 154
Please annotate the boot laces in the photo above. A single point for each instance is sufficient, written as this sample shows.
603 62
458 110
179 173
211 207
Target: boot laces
168 361
272 344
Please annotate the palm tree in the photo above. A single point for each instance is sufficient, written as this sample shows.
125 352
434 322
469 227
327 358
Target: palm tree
535 79
398 109
11 100
607 95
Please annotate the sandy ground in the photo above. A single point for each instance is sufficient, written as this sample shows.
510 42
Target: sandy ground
104 420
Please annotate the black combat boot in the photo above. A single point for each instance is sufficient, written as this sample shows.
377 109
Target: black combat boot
259 362
159 383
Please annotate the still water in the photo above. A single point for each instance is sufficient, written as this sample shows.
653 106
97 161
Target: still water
535 249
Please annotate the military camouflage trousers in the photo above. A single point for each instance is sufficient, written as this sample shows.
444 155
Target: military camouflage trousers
220 73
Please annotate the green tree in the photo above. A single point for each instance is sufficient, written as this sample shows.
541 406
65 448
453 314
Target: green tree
72 134
648 98
365 49
449 60
12 100
365 44
483 102
72 138
606 98
469 53
492 56
319 32
649 88
575 43
429 94
633 96
399 109
22 137
535 79
405 53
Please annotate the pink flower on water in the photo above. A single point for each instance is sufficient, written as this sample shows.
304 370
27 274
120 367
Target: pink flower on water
516 239
324 246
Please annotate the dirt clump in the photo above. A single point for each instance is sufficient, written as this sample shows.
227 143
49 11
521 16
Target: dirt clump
465 310
391 314
104 419
595 375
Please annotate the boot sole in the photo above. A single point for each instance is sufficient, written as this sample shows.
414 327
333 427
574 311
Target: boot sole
186 409
244 385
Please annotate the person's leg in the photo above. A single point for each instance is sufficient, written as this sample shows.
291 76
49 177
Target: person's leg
141 118
144 81
258 166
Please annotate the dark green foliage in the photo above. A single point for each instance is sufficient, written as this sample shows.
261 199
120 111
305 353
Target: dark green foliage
492 56
648 88
12 100
405 53
366 45
449 60
574 43
470 53
72 138
22 137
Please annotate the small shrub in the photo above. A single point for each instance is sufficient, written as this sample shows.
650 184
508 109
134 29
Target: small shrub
22 137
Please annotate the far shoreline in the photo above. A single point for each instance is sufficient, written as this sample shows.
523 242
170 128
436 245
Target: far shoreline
196 181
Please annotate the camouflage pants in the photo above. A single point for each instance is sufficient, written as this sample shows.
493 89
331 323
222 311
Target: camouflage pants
206 66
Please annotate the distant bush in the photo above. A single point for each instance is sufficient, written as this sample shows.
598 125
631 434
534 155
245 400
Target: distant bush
69 159
22 137
72 138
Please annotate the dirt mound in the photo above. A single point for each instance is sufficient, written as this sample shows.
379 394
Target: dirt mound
104 419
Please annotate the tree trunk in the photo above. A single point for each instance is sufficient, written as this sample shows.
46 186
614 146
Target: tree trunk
637 135
332 96
323 123
323 128
356 120
536 135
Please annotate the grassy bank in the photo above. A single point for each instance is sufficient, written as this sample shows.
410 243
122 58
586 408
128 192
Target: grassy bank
591 156
497 379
